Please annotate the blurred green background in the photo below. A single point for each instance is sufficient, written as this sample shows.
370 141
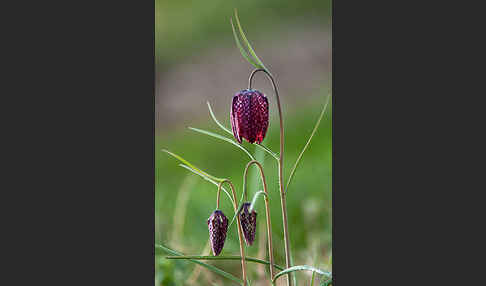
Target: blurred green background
197 61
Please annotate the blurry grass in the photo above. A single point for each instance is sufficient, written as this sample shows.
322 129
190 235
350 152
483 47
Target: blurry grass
309 196
183 27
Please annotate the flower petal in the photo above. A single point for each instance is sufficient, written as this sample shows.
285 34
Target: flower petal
234 122
248 223
260 115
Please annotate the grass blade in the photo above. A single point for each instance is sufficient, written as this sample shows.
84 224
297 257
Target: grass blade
250 49
302 268
159 248
273 154
224 139
179 218
307 144
207 179
312 278
242 50
191 165
230 257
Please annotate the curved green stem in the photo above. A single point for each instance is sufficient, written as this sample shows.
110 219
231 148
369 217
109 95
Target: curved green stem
267 210
283 200
304 268
255 197
240 236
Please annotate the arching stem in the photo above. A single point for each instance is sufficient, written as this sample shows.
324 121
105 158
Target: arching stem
240 236
280 170
267 211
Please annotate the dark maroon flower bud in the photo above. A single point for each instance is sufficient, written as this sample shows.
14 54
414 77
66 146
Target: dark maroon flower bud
249 116
218 225
248 223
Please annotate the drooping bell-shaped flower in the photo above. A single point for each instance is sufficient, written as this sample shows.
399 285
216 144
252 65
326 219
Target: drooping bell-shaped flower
218 226
249 115
248 223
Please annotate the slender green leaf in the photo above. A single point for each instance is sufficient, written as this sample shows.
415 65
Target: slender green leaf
224 139
301 268
307 144
250 49
230 257
263 147
255 197
236 213
242 50
207 179
191 165
216 120
159 248
312 278
273 154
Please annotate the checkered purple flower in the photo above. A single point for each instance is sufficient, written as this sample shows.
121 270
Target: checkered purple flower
248 223
249 116
218 226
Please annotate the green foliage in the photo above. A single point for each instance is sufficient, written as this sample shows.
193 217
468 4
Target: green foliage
255 197
191 165
226 139
254 59
232 257
198 171
159 248
302 268
296 164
